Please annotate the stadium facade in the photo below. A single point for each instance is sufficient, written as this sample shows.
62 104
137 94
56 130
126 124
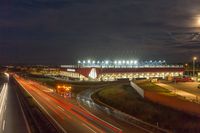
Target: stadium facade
108 70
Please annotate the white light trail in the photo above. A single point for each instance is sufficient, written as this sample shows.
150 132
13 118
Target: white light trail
3 98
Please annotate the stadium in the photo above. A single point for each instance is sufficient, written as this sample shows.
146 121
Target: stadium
108 70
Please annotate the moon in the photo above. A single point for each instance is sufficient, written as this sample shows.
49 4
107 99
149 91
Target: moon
197 23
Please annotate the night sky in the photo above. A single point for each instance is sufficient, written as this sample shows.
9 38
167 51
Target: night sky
64 31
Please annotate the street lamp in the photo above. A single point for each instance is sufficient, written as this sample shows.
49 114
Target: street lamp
186 69
194 59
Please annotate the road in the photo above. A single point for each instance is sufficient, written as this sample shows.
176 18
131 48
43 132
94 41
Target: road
12 118
86 102
67 115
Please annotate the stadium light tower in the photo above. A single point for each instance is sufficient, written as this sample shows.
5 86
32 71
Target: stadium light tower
135 62
194 59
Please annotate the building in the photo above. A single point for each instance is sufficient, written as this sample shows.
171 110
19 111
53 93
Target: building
120 69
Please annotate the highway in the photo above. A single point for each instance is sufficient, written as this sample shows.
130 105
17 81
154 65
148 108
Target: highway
12 118
86 102
67 115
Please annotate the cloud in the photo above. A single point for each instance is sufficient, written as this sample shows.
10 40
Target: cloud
100 28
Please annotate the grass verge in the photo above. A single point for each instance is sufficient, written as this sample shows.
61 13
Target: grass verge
124 98
77 86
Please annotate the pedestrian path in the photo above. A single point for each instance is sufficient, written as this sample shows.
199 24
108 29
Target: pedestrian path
184 94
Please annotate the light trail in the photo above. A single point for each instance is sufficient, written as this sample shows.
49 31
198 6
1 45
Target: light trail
3 98
61 109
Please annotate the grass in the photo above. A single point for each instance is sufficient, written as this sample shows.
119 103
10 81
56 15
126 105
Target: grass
124 98
77 86
149 86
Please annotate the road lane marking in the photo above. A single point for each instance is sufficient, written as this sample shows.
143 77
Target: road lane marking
41 106
120 130
25 119
47 99
64 112
88 127
3 126
5 108
61 108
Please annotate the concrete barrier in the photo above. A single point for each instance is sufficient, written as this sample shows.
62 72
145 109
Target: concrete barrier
139 90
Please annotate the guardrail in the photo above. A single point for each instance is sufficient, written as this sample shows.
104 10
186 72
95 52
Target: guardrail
120 115
139 90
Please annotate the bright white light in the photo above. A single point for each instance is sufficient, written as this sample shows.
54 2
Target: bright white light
106 62
83 62
115 62
131 61
6 74
119 62
89 61
135 62
79 62
124 61
127 62
93 62
3 93
98 62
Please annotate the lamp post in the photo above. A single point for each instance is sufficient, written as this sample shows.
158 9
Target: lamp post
186 68
194 59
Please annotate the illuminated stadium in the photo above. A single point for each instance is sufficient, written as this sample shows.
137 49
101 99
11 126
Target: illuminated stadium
108 70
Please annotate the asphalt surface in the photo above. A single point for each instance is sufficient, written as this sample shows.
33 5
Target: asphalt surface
67 115
126 127
190 87
188 90
13 120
